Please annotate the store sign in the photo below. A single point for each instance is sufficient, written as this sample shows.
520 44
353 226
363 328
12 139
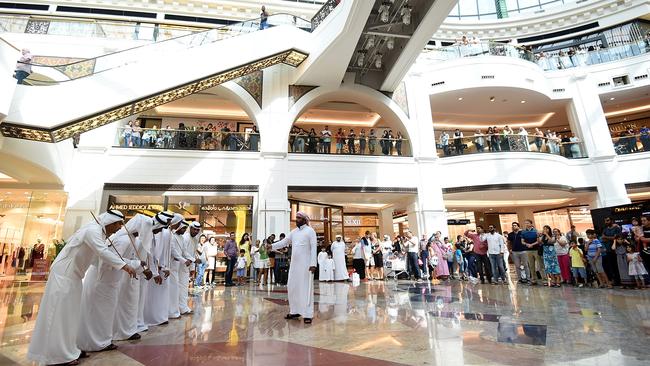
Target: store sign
11 205
226 208
458 222
136 207
352 222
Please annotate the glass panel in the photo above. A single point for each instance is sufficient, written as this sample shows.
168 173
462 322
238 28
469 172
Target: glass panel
506 221
224 214
31 224
581 218
337 214
314 212
468 7
556 219
486 7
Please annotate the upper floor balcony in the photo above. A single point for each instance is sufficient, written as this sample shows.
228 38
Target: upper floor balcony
547 61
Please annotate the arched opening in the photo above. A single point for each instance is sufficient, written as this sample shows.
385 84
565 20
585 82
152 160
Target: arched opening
218 119
349 121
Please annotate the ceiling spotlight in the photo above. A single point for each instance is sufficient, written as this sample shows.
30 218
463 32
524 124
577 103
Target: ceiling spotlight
361 58
390 43
384 12
406 15
612 98
492 99
523 101
460 98
378 60
371 42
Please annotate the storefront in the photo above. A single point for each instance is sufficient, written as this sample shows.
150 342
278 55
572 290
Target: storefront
563 218
220 211
31 224
326 220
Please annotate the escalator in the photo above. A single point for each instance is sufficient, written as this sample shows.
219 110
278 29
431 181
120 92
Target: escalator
94 92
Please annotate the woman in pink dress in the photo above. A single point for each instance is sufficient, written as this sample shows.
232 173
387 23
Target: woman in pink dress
439 249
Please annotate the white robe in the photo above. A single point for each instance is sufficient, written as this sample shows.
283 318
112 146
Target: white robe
322 257
125 323
156 308
340 266
54 339
328 268
301 282
176 262
99 300
190 245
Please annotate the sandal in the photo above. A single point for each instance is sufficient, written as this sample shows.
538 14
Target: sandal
307 320
83 354
110 347
292 316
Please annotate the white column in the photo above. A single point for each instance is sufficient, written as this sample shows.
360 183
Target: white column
588 121
386 223
273 121
273 206
421 124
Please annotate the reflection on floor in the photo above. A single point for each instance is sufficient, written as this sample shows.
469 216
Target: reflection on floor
376 323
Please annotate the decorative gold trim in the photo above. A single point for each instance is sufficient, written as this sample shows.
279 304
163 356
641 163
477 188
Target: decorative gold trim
291 57
298 91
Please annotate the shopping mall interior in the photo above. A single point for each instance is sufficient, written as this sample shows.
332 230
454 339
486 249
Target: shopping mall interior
388 117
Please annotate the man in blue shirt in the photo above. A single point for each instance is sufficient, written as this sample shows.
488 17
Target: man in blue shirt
595 255
519 253
535 262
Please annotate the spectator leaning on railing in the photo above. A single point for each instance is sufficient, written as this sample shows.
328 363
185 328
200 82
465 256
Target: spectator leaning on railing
24 67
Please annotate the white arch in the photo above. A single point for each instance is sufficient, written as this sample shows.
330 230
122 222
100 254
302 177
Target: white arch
365 96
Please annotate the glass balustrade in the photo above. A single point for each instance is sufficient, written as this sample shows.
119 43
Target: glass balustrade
546 61
484 143
189 139
630 144
93 28
86 67
304 143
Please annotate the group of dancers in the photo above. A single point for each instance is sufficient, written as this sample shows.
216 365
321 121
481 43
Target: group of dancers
112 281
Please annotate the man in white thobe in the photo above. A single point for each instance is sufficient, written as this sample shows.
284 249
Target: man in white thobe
301 271
54 339
175 263
99 300
146 227
338 254
125 324
191 243
156 309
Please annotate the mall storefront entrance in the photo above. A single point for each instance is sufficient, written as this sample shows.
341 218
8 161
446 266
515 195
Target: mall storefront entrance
31 230
219 209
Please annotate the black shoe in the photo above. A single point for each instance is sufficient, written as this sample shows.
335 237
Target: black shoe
134 337
229 285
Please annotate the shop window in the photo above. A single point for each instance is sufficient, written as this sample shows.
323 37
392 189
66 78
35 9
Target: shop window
31 224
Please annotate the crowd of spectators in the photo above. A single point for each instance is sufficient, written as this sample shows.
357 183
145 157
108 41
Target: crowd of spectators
366 142
497 139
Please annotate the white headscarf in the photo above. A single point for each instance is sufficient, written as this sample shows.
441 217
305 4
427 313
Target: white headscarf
177 218
110 217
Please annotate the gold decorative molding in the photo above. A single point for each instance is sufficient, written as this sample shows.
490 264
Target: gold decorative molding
298 91
291 57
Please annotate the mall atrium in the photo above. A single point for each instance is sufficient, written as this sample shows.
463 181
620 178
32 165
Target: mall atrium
395 117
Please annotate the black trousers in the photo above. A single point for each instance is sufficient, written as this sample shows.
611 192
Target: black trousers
610 265
229 269
483 266
360 267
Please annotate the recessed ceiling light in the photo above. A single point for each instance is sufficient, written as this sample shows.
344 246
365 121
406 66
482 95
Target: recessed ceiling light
492 99
612 98
523 101
460 98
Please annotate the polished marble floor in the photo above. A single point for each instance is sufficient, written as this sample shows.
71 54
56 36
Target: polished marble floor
375 323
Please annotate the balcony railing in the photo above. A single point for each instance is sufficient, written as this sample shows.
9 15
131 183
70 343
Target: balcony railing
547 62
485 143
304 143
153 138
93 28
630 144
323 13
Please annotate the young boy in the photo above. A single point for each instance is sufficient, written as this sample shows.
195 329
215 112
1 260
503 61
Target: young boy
595 253
577 264
241 267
